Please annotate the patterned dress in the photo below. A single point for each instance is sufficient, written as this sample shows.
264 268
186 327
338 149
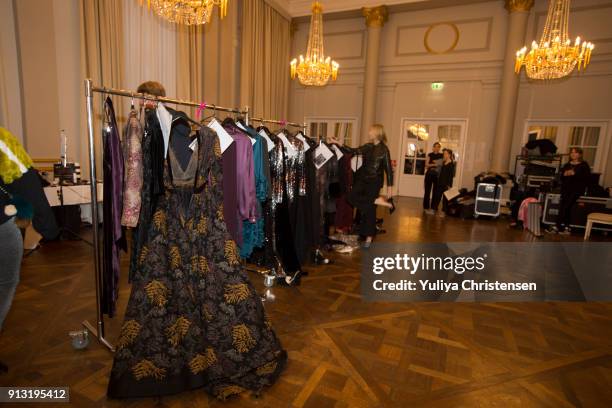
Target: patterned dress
193 318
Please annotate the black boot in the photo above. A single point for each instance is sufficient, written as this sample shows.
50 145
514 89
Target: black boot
319 259
392 209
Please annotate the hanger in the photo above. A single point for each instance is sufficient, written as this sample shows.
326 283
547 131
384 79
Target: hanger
214 115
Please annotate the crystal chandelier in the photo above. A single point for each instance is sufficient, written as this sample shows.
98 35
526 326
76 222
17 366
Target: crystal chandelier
555 56
315 69
187 12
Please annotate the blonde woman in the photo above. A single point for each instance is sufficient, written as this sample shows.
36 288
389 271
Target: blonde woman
369 179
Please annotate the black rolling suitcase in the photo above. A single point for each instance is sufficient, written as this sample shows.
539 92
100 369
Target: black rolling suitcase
488 200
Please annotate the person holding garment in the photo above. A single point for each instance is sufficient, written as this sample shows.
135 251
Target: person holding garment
445 181
432 172
21 199
574 181
369 179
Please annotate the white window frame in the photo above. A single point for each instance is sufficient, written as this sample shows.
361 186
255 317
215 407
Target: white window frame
563 136
332 120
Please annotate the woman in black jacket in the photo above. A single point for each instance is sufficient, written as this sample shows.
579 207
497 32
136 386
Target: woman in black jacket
445 180
574 181
369 179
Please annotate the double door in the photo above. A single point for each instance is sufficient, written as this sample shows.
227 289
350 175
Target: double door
418 138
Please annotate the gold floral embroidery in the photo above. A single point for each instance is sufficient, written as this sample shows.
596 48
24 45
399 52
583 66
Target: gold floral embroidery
217 149
231 253
236 293
157 293
199 264
228 391
242 339
146 368
159 220
201 362
267 369
202 226
189 225
129 331
268 322
178 331
175 257
207 314
144 251
221 213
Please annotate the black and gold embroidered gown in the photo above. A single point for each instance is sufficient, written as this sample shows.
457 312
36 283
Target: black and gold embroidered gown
193 318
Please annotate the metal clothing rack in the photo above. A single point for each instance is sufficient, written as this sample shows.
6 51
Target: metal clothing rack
302 126
90 89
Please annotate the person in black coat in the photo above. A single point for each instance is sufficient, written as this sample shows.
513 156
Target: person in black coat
432 172
445 181
574 181
369 179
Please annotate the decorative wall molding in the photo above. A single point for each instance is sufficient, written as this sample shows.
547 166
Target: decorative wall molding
453 44
519 5
299 8
456 25
337 53
375 16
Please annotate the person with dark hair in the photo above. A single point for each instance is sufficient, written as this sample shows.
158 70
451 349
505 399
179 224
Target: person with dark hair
151 88
445 181
22 200
432 172
574 181
369 179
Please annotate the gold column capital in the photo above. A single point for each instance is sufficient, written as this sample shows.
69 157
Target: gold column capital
376 16
519 5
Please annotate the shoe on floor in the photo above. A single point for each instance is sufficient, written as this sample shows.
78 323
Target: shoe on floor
441 214
430 212
3 368
565 231
552 230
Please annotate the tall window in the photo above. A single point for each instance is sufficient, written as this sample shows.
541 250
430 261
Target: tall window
342 129
591 137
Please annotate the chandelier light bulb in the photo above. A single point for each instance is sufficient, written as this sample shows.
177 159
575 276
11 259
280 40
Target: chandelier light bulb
193 12
315 69
554 56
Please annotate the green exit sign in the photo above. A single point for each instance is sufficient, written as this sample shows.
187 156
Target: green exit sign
437 86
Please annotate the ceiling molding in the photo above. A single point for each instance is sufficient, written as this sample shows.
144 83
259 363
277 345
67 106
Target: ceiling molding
282 6
299 8
344 9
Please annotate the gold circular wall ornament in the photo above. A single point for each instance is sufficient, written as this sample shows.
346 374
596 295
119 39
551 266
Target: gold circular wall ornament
449 49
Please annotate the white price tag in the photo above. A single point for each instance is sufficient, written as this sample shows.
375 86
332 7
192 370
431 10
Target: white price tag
225 140
268 140
322 155
303 139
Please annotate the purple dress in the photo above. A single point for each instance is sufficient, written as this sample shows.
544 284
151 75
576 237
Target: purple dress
246 199
114 239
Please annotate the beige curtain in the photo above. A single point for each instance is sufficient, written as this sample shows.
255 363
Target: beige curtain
266 42
190 64
101 59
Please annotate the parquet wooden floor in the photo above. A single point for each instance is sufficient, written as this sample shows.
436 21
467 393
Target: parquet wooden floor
343 352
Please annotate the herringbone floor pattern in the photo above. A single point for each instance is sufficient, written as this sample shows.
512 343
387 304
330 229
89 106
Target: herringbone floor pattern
342 352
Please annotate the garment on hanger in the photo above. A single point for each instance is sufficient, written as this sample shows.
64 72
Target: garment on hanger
245 178
132 185
114 239
253 232
193 318
282 239
344 210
